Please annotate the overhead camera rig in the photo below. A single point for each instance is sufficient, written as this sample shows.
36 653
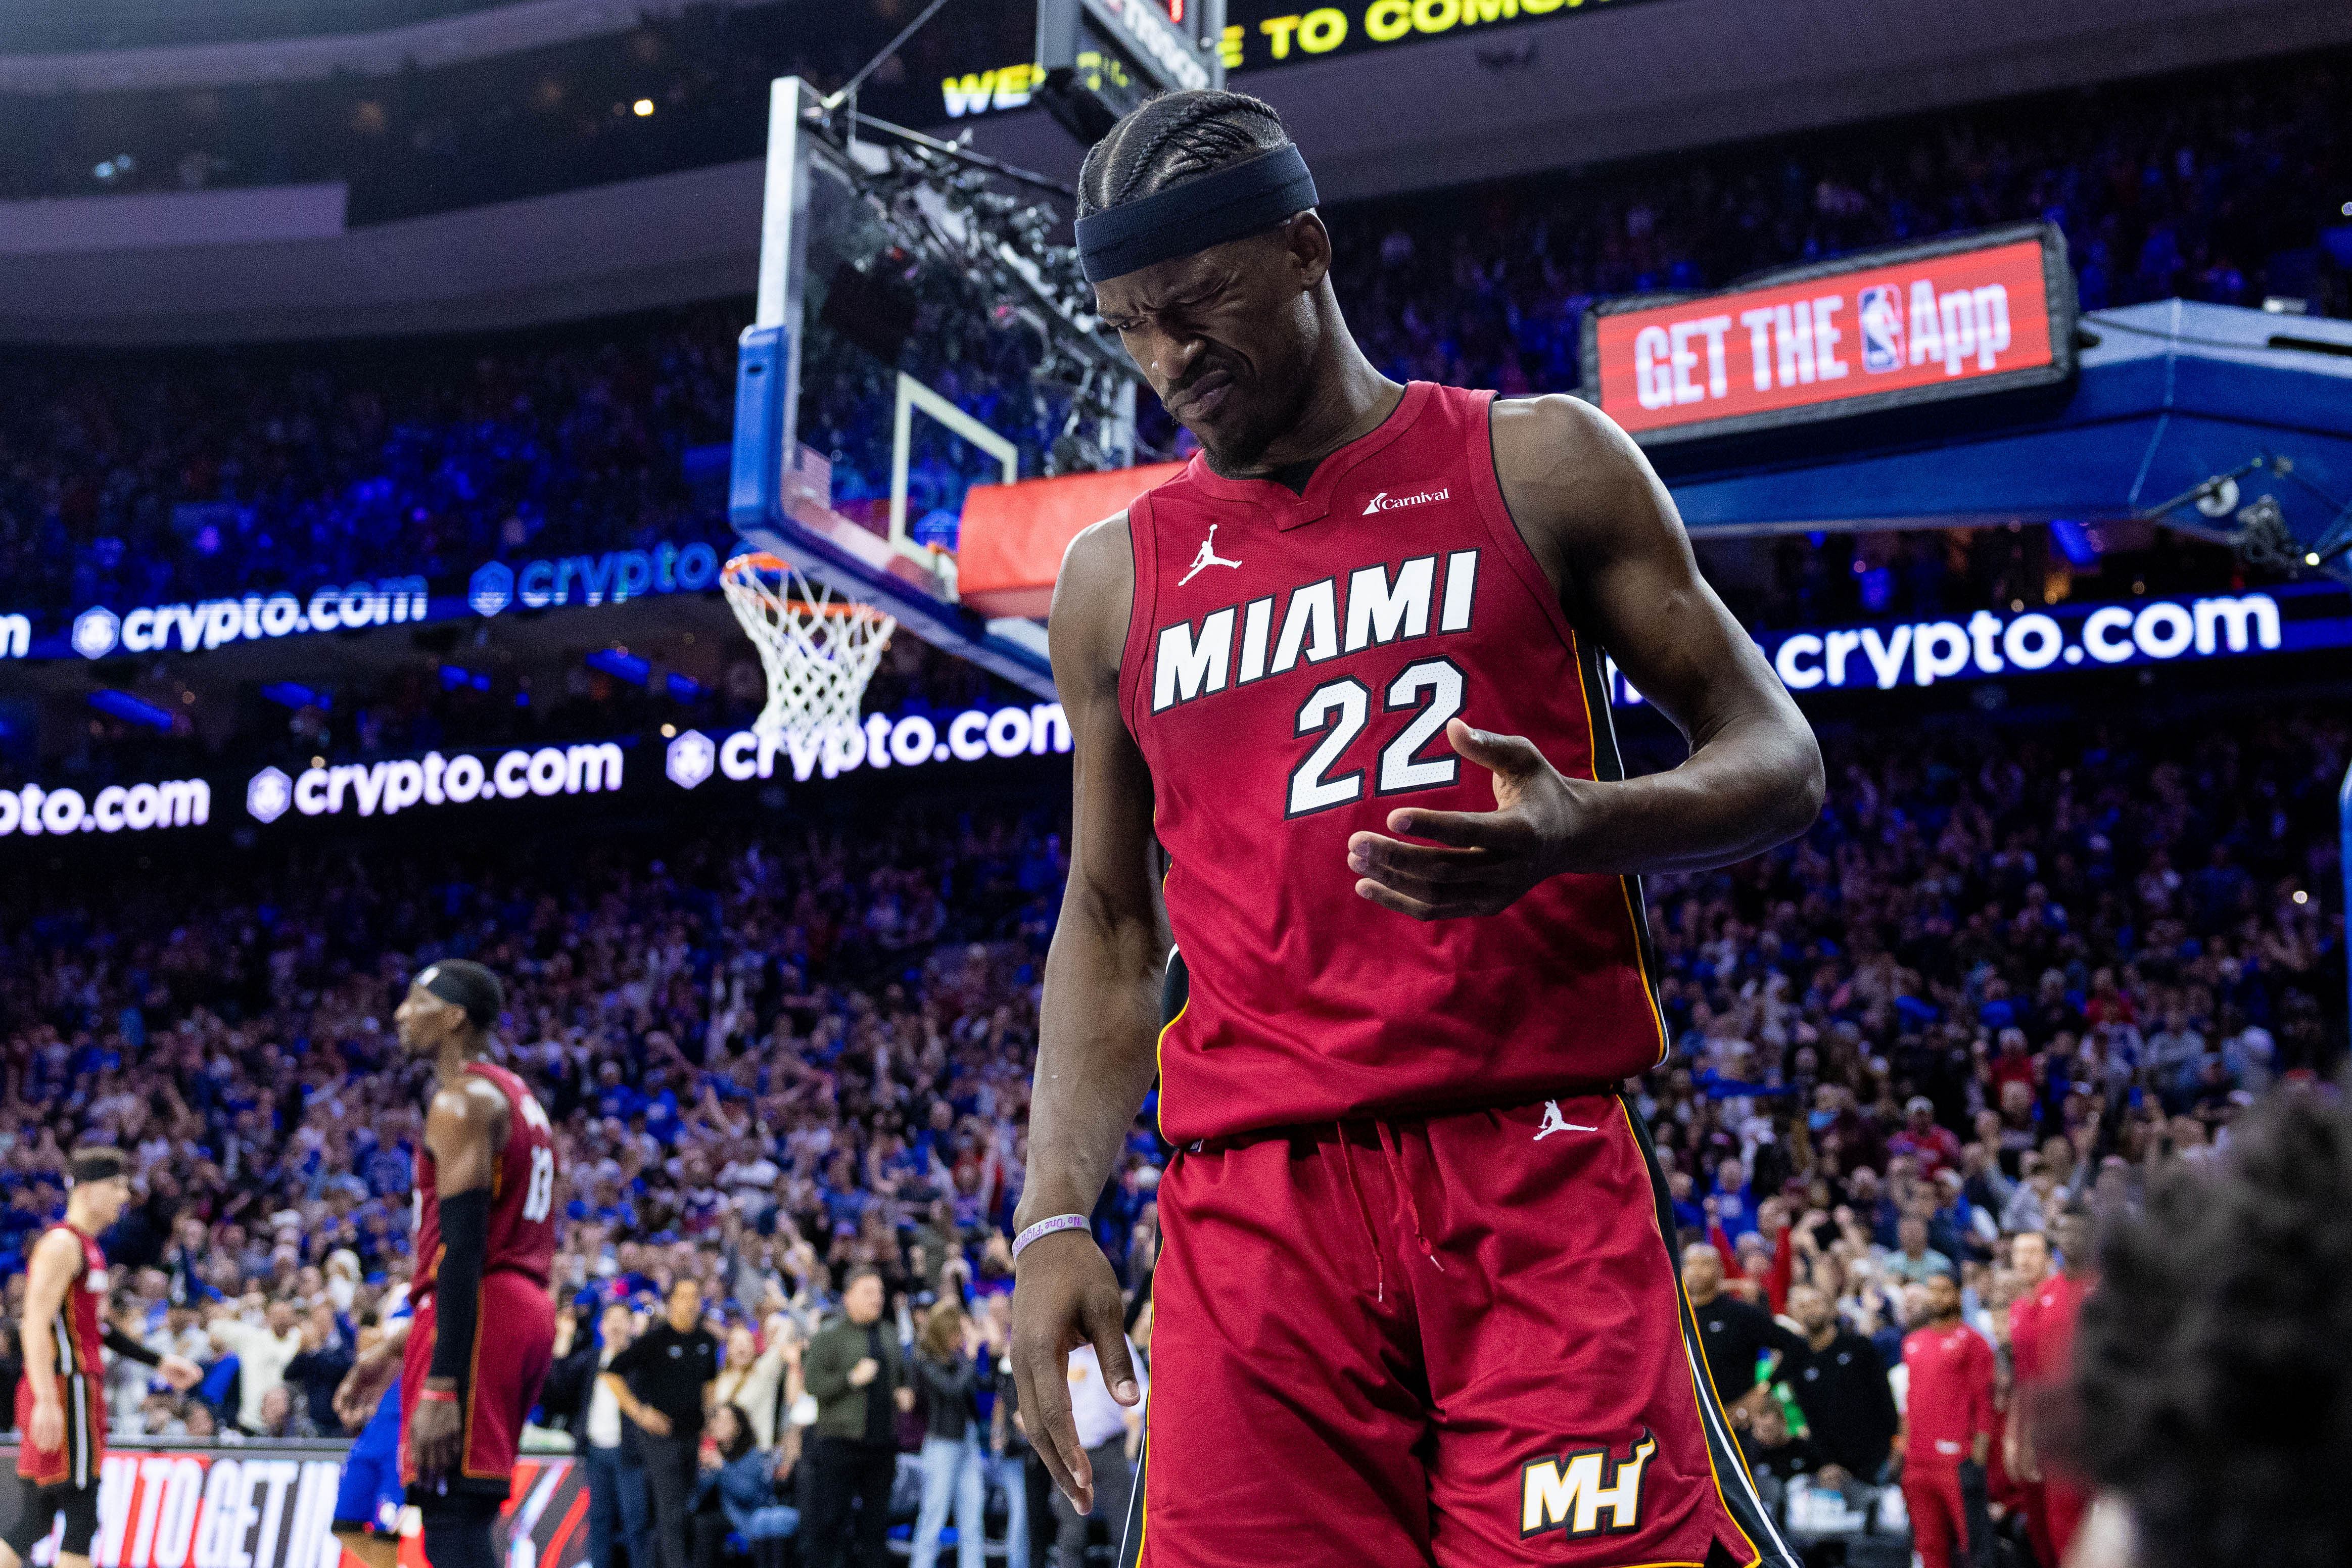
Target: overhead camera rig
2258 530
942 206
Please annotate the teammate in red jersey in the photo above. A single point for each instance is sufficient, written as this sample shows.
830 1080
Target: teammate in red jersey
61 1397
2041 1348
484 1328
1417 1297
1947 1424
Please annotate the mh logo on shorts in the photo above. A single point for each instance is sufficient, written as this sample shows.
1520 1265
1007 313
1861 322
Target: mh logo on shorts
1572 1492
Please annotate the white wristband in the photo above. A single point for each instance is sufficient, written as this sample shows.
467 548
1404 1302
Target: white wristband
1047 1227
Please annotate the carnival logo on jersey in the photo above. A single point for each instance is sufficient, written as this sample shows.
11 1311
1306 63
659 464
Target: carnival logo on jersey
1207 558
1384 502
1572 1492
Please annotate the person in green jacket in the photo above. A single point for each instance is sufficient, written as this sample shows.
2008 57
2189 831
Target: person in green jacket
856 1372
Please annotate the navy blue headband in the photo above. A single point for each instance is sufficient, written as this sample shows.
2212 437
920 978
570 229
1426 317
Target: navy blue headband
468 984
1226 205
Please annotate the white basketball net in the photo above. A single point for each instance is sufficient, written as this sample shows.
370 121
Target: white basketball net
819 651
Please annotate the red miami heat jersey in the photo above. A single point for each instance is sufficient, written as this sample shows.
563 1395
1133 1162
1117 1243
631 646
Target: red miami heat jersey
77 1333
1290 664
522 1193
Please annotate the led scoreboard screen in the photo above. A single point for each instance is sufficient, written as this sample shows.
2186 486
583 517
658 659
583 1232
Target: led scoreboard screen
1962 317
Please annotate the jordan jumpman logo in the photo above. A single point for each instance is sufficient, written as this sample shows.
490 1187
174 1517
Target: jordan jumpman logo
1207 558
1554 1121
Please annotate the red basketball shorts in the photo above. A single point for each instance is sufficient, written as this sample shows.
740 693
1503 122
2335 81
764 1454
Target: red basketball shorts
1459 1341
513 1342
81 1447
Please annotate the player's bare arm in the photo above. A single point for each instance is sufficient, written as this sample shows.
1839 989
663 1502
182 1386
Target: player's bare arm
1605 533
56 1261
372 1373
466 1130
1100 1018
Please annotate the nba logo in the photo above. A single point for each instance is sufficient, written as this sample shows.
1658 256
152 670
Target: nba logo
1882 329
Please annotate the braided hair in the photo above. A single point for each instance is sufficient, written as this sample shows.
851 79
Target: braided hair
1175 137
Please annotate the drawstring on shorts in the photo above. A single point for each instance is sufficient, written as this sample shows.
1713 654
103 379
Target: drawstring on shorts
1394 1148
1363 1209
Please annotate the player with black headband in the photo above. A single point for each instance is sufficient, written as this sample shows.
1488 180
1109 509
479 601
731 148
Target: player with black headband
1416 1301
62 1399
484 1328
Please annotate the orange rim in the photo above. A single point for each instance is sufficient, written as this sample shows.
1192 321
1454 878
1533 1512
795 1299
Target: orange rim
763 560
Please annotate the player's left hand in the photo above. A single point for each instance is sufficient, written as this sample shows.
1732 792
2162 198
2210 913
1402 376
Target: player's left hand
363 1387
435 1429
1481 862
180 1371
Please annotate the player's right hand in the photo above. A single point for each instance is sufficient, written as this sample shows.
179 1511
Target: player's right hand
435 1432
1065 1295
864 1372
48 1429
1481 862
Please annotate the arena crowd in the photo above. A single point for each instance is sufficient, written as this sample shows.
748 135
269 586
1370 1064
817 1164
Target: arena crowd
2010 971
146 477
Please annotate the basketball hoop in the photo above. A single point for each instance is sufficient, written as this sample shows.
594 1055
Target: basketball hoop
819 651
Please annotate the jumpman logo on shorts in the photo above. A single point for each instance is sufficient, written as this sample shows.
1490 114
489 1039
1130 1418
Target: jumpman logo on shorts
1207 558
1554 1121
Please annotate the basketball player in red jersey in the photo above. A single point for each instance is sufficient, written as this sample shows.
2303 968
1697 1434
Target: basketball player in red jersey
61 1398
1417 1298
484 1328
2041 1348
1948 1422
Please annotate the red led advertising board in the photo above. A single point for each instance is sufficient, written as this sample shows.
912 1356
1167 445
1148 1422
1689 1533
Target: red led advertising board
1952 318
270 1505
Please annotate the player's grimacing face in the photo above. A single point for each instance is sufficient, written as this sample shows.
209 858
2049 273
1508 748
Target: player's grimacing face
1226 336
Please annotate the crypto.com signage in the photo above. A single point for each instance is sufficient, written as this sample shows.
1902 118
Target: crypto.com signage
1887 329
1918 654
913 740
614 577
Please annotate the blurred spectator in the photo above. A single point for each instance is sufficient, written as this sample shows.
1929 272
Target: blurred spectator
1112 1435
1932 1147
619 1510
283 1417
1914 1261
763 1383
858 1373
1841 1385
318 1369
736 1490
1735 1335
264 1343
1774 1451
663 1379
952 1364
